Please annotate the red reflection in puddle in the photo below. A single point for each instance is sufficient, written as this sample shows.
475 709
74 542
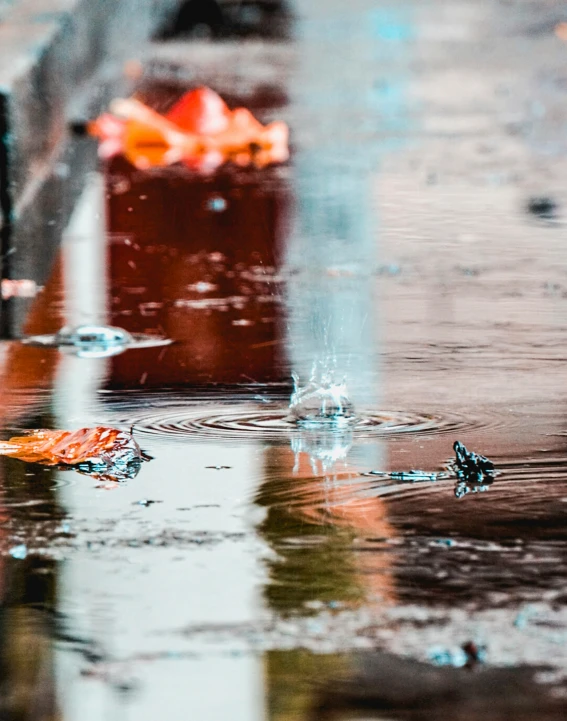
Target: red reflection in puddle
27 372
197 259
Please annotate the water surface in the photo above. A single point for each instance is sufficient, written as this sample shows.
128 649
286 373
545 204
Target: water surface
251 561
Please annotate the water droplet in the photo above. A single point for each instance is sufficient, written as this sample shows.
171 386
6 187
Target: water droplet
202 287
217 204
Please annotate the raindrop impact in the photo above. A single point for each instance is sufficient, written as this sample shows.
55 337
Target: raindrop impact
322 401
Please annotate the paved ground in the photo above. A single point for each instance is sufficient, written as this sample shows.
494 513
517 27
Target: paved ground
403 244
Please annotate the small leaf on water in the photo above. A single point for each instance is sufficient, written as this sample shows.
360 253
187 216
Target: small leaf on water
108 454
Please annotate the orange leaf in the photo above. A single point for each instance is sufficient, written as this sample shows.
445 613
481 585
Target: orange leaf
200 111
106 453
199 131
144 146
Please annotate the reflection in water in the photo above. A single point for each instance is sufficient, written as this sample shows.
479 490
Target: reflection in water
292 677
197 261
312 524
26 373
325 446
27 593
303 686
26 641
390 687
29 516
315 565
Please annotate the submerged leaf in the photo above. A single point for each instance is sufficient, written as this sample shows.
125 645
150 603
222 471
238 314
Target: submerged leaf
106 453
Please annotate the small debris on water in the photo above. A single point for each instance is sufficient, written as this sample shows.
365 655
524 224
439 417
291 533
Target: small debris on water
145 502
447 657
476 654
543 207
219 468
413 476
95 341
20 552
469 655
475 473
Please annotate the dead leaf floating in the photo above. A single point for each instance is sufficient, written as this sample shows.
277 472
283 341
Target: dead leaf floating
199 131
105 453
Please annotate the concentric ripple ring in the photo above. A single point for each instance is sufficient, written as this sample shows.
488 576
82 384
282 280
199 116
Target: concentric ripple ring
258 423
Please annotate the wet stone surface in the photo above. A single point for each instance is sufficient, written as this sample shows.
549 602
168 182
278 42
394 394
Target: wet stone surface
310 570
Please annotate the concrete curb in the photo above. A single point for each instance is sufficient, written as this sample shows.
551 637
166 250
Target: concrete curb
49 49
59 59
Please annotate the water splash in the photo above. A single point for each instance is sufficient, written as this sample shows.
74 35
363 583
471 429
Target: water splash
322 401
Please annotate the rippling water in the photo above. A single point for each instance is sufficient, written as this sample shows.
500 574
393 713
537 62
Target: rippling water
252 555
253 423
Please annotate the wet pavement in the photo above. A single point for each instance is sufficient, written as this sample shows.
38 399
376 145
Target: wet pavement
414 244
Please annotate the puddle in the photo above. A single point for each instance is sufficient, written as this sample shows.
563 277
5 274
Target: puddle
284 551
